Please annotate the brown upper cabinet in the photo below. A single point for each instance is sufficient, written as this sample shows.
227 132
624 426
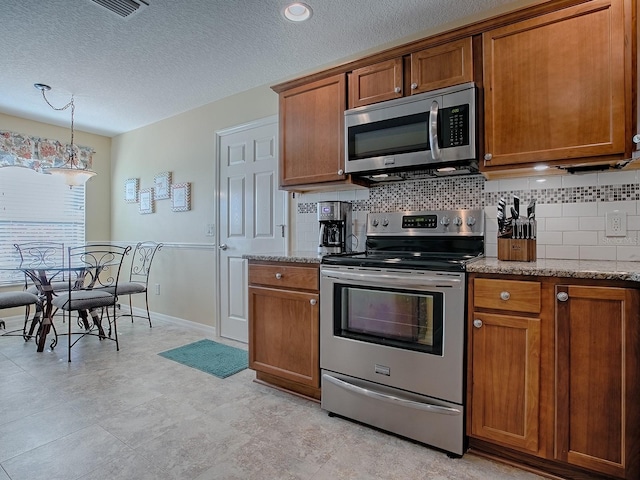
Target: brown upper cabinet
555 87
422 71
311 132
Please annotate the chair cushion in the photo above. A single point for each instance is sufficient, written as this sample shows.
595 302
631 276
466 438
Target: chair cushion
128 288
57 287
83 300
17 299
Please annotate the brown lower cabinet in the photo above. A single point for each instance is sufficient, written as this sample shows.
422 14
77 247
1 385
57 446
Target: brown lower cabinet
554 374
284 322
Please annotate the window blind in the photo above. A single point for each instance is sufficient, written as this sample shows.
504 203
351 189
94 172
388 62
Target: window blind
36 207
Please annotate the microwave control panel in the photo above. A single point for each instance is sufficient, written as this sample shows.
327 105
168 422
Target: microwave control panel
455 126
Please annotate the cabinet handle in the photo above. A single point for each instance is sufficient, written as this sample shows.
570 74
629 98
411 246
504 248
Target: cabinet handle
414 86
398 90
562 296
505 296
488 156
477 323
313 301
636 138
278 275
341 172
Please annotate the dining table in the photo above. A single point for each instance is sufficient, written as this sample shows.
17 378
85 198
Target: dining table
43 276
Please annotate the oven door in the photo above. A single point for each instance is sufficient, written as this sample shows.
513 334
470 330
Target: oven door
400 328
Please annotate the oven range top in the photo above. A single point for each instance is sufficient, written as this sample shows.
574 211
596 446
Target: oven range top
417 261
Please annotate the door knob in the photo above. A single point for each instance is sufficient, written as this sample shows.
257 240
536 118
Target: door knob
223 246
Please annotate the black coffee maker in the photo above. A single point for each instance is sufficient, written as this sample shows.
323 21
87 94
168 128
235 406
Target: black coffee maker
335 227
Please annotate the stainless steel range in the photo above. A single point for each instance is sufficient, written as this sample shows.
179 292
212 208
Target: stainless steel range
392 325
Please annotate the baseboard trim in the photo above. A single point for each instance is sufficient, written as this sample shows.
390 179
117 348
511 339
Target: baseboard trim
204 329
17 321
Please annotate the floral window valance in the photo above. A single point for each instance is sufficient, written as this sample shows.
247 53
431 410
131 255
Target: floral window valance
37 153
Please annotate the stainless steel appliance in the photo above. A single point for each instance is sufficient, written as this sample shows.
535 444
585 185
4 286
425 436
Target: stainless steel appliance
433 130
335 227
392 325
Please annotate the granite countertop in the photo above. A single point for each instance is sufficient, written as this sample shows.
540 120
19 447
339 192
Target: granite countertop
589 269
294 257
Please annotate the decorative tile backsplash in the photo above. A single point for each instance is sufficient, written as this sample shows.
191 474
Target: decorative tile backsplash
571 210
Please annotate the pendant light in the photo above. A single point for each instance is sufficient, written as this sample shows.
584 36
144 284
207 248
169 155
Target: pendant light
71 172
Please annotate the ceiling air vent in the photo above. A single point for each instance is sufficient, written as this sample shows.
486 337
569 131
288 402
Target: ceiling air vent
123 8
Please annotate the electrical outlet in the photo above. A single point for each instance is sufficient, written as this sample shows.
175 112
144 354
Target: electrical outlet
616 224
157 289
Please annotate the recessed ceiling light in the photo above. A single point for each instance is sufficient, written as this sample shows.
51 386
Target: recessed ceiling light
297 12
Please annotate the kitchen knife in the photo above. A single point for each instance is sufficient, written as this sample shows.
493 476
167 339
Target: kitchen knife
514 213
501 215
531 209
500 222
516 205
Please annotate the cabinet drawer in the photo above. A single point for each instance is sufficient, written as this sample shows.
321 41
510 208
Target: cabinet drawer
511 295
285 276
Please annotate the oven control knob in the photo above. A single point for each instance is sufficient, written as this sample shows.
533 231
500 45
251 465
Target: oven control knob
471 221
385 222
457 221
445 221
374 222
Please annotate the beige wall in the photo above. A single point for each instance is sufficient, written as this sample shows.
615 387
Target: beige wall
185 146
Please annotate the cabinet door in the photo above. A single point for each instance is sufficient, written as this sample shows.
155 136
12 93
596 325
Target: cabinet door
555 86
375 83
506 380
442 66
284 334
597 379
311 132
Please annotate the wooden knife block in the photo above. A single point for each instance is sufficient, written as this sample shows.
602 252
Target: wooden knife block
517 250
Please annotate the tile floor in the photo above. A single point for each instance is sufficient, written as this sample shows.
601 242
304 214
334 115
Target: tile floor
135 415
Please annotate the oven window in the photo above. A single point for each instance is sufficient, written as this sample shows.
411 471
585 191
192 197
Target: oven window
399 318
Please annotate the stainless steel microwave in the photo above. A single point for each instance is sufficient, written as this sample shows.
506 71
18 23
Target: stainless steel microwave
432 130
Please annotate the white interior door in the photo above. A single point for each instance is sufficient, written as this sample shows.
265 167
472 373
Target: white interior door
250 217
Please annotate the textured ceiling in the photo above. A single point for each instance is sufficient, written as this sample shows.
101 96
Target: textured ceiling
176 55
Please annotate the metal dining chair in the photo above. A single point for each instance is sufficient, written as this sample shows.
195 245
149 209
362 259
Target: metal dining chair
143 256
20 299
96 267
41 254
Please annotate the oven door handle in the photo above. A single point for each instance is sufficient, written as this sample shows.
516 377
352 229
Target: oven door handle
391 398
395 280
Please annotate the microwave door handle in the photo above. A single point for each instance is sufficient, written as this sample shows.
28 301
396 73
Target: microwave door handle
433 131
